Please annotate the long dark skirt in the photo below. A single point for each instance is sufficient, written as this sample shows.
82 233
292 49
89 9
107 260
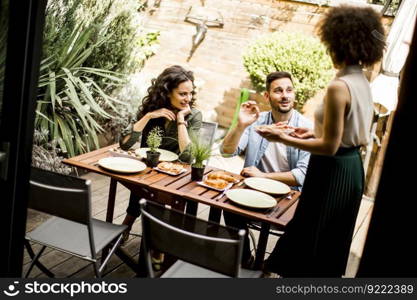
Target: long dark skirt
317 240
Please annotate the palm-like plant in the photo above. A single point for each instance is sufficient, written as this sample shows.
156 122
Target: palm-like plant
200 151
69 99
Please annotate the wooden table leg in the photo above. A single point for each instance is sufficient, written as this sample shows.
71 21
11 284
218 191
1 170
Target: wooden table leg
261 249
110 211
111 200
215 214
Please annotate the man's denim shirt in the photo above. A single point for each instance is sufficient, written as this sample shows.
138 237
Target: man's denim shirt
254 146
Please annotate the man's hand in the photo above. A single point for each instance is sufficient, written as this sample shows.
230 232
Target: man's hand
252 171
272 133
248 114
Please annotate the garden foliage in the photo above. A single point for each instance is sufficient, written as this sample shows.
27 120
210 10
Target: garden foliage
89 47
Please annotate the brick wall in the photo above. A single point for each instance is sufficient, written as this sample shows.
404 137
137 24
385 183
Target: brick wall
217 62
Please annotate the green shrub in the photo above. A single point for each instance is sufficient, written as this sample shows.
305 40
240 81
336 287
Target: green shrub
46 155
303 56
128 46
83 63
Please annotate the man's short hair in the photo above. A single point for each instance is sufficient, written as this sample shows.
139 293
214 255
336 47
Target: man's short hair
274 76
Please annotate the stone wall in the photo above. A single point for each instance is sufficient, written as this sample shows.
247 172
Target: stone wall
217 62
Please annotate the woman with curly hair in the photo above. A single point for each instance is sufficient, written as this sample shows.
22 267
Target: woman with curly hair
169 104
317 240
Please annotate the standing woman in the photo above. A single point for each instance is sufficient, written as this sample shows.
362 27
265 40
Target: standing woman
317 240
168 105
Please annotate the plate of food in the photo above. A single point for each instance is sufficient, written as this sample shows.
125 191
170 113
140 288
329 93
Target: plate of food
215 184
122 164
267 185
222 175
165 154
285 128
218 180
170 168
251 198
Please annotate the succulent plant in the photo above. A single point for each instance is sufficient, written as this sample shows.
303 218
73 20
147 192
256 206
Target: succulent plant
154 139
200 151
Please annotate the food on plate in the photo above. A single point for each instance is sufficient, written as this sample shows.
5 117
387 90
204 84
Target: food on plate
216 183
170 167
222 175
285 128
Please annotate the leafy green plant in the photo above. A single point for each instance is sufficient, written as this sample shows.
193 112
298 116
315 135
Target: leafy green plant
128 45
88 47
46 155
154 139
390 7
200 151
69 99
303 56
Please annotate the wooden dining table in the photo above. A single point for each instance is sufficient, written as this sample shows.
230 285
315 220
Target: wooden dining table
181 192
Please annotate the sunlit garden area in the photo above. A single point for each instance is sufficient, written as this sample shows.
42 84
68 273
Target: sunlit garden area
99 57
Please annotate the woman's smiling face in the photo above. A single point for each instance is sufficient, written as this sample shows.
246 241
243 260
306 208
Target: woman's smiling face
181 96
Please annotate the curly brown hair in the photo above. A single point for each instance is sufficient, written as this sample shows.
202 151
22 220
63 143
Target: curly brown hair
158 93
352 35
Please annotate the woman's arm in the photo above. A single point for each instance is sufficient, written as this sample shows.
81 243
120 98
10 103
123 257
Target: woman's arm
138 126
183 137
336 100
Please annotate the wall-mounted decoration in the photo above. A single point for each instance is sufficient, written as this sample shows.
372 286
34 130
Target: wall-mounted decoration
202 18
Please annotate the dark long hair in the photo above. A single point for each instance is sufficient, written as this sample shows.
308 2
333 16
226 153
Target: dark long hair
353 35
162 86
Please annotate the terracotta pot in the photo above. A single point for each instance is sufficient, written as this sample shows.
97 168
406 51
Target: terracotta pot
152 158
197 173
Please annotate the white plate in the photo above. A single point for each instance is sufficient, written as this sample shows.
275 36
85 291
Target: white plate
122 164
170 173
165 154
267 185
251 198
213 188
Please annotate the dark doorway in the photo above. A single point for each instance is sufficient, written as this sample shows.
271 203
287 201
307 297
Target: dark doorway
21 39
390 249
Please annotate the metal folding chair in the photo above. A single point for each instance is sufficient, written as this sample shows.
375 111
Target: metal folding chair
203 249
72 229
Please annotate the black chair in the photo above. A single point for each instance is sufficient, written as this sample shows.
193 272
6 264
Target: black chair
203 249
72 229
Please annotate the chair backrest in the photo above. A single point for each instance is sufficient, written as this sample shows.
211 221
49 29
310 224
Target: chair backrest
195 241
60 195
208 132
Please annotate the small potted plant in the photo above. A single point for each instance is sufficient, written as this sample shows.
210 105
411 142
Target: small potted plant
200 152
153 141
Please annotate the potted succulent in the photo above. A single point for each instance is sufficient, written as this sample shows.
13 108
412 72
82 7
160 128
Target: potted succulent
153 141
200 152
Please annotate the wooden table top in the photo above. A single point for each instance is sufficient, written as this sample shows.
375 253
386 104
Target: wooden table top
182 186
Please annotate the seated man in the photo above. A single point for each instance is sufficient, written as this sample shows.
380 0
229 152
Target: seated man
264 159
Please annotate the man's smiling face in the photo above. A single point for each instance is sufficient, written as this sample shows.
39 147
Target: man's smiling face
281 95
